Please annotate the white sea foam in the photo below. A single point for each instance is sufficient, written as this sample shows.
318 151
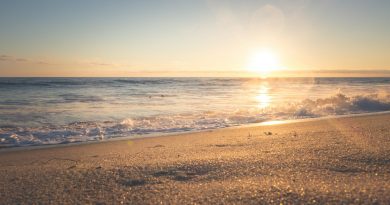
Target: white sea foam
38 111
339 104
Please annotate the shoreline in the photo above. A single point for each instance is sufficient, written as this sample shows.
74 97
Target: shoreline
158 135
342 160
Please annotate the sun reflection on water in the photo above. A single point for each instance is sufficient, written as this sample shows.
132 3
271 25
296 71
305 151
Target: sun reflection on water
263 98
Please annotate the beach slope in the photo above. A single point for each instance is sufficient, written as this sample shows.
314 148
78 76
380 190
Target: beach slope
337 161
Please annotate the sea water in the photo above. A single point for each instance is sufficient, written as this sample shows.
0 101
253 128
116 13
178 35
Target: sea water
41 111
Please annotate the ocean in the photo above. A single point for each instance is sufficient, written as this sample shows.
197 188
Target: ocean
44 111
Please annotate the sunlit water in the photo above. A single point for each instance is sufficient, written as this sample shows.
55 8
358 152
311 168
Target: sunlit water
37 111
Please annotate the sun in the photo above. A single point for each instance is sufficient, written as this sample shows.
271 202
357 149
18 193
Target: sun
264 62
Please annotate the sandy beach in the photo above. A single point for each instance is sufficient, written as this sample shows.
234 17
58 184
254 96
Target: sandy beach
333 161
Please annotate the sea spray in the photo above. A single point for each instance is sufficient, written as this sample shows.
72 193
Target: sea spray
40 111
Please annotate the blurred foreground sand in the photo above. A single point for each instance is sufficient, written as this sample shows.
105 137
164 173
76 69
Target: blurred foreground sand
341 160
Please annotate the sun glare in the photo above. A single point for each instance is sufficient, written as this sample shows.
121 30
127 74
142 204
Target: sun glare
263 98
264 62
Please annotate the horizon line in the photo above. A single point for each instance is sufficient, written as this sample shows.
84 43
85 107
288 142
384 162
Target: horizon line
228 74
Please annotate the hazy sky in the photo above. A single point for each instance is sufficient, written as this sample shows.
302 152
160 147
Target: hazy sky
184 37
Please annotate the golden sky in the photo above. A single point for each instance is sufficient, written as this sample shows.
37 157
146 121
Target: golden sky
195 38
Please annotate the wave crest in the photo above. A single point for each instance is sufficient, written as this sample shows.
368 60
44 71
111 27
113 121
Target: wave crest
339 104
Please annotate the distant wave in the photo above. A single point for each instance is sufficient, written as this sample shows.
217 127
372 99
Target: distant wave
339 104
145 81
80 98
18 83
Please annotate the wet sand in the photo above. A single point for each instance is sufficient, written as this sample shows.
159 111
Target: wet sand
334 161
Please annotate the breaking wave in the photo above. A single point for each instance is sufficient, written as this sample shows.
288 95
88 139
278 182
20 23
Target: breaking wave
339 104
